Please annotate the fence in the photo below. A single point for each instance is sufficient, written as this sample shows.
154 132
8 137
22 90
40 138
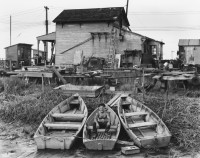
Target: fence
7 64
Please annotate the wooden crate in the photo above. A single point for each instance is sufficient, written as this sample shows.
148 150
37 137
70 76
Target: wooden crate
130 150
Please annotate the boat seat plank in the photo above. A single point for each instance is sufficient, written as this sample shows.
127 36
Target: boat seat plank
142 124
112 129
55 125
135 114
68 117
75 102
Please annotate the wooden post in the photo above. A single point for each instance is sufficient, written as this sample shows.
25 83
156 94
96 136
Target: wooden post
166 99
38 49
4 64
143 91
42 83
58 75
10 63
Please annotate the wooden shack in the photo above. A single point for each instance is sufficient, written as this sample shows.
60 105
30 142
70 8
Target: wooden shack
19 54
189 51
101 33
97 32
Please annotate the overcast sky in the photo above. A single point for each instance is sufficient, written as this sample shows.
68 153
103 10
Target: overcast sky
164 20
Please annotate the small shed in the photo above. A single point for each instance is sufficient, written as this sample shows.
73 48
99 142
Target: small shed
19 54
189 51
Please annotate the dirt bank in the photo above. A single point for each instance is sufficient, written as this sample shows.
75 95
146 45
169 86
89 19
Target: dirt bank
16 141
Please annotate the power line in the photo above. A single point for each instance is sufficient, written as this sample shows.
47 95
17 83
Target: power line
165 13
22 12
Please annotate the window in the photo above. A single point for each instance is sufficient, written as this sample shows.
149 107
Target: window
153 50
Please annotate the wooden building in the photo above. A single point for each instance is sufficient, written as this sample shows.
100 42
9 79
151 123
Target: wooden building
189 51
39 57
19 54
97 32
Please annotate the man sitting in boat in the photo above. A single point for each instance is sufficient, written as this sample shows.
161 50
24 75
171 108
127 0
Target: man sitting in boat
101 120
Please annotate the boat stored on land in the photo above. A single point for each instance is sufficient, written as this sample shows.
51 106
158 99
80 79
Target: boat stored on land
84 91
143 126
62 125
102 141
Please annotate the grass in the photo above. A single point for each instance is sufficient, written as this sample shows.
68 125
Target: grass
26 103
30 109
181 115
126 87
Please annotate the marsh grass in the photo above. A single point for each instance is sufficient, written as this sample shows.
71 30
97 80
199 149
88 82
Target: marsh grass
28 104
126 87
193 94
30 109
182 117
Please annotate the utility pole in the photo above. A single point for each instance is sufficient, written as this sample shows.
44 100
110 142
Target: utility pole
45 43
127 8
46 21
10 30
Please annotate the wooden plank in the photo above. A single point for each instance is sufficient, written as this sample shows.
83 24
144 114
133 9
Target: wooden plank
142 124
111 127
103 130
58 75
135 114
123 114
62 126
35 74
68 117
178 73
120 142
111 102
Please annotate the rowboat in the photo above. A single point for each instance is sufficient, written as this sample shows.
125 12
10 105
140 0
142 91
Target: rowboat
102 141
62 125
143 126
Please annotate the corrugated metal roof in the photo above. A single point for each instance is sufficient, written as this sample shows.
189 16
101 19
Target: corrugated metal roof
189 42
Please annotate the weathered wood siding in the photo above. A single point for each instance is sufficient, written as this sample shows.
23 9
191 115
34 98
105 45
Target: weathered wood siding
70 35
192 55
159 48
11 53
197 55
19 52
124 76
131 41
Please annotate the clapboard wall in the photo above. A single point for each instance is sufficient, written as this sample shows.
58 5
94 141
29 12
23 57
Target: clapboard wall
69 35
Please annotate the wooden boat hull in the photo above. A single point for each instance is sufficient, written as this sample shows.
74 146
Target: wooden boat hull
147 130
45 142
59 130
86 91
102 142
